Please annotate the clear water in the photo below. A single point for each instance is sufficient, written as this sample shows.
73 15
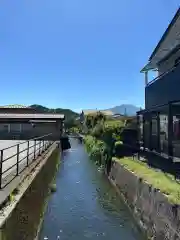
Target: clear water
85 205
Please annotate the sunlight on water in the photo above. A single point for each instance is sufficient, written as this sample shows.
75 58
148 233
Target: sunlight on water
85 205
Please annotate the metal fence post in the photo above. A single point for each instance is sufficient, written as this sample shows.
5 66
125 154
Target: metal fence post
17 164
28 153
34 149
43 145
1 169
39 147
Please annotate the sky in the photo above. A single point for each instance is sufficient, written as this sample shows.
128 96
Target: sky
78 54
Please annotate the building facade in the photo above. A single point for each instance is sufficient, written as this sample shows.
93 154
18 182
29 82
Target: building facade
19 122
159 122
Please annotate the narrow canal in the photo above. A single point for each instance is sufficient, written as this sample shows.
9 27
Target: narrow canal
85 205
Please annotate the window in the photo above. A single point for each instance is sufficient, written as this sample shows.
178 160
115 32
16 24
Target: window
176 129
146 131
154 131
154 125
141 127
163 117
15 127
6 128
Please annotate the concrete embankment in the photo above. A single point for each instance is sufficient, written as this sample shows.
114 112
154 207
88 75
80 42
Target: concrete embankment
21 216
156 216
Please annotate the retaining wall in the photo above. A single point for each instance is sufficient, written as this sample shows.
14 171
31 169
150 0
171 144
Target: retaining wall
158 218
21 217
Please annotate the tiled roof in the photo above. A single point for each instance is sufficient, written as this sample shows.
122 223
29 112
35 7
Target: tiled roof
30 116
14 106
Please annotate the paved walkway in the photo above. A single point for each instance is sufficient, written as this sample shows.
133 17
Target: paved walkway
12 152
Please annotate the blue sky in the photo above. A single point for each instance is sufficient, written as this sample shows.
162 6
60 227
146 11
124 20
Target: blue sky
78 53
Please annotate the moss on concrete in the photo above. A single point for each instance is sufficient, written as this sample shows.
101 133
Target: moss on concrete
23 223
166 183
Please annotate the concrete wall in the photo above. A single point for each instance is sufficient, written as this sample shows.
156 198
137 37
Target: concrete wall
22 217
156 216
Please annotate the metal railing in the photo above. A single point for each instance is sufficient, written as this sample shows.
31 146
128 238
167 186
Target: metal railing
163 74
16 158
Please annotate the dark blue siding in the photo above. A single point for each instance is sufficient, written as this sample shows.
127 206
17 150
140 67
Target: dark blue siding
164 90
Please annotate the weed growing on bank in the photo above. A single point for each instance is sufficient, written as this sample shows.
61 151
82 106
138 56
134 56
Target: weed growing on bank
158 179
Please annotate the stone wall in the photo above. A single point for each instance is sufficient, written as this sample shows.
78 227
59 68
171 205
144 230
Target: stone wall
25 214
158 218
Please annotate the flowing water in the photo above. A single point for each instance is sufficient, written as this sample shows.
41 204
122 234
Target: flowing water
85 205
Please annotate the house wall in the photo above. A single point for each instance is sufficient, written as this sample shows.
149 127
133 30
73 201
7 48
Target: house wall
163 90
26 131
166 65
4 127
17 110
171 41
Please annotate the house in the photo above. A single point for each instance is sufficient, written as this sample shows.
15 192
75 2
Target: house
21 122
159 122
117 116
93 111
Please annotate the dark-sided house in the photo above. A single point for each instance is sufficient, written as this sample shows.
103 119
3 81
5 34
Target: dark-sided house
160 120
21 122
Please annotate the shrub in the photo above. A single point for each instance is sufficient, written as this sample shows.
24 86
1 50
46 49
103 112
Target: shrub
129 136
89 142
97 150
97 130
118 149
118 143
93 119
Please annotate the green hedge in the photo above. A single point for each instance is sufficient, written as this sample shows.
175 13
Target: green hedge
97 150
106 138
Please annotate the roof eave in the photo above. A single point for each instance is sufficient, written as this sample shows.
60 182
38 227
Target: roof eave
149 66
165 33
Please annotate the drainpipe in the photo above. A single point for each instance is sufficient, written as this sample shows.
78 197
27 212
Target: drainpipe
9 128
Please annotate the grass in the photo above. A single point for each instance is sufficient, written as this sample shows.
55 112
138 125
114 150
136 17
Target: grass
159 180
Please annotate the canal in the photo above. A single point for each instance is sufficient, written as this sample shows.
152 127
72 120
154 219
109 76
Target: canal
85 205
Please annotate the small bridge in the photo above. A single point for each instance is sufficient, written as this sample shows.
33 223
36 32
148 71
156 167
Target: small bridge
78 136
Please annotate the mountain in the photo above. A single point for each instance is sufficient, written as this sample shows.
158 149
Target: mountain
69 114
125 109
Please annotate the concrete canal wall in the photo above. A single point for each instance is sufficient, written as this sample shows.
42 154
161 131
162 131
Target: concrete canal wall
21 216
158 218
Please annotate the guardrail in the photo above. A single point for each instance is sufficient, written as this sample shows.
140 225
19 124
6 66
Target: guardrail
15 159
163 74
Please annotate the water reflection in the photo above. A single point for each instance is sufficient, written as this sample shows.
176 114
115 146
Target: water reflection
85 205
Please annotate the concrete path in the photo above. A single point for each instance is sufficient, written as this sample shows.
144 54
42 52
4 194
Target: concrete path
11 153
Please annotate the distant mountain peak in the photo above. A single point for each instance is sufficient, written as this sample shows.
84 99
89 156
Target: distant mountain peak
125 109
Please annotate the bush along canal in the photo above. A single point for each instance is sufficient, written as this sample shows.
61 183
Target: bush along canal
85 205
